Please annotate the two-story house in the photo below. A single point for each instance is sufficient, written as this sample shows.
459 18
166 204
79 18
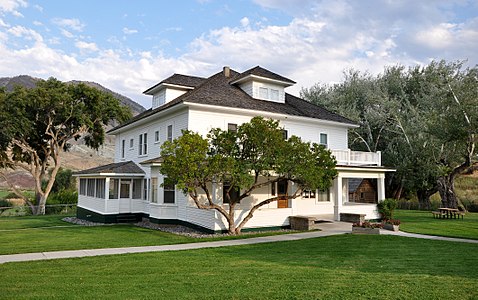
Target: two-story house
131 187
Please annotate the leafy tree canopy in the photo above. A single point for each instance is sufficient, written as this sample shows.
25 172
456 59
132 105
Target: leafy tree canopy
253 157
37 125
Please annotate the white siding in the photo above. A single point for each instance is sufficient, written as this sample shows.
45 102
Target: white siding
337 136
165 95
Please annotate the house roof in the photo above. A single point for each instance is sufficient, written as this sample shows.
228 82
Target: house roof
178 79
261 72
217 90
127 167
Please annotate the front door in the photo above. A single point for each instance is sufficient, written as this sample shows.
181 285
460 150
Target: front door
283 202
125 196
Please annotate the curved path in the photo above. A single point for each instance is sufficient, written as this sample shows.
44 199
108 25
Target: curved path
327 229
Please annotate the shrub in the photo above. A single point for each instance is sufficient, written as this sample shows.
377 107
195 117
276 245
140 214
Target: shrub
387 207
57 202
393 221
4 205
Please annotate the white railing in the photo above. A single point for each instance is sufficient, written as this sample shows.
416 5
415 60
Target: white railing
357 158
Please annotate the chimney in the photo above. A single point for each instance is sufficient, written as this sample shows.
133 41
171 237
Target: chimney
226 71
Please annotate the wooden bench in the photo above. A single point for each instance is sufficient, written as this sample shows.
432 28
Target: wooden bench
460 213
438 214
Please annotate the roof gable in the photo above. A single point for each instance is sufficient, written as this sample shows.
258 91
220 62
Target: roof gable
127 167
262 73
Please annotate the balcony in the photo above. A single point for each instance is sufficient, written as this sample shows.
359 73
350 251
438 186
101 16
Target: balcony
357 158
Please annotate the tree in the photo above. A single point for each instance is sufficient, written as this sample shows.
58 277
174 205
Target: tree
255 156
423 119
37 125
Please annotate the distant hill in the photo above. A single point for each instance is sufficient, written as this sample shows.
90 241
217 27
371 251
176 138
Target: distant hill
79 157
30 82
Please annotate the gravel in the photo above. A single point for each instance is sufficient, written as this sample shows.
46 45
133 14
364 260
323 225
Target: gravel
176 229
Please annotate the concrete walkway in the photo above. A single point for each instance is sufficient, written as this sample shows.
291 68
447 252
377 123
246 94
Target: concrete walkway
327 229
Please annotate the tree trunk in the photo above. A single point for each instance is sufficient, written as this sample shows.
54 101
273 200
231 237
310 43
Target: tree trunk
424 198
446 188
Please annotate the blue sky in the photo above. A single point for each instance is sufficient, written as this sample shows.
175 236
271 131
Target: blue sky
128 46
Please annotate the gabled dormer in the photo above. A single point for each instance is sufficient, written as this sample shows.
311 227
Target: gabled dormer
263 84
171 88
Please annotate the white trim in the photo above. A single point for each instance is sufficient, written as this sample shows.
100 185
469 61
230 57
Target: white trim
278 116
262 79
364 169
153 90
95 175
147 119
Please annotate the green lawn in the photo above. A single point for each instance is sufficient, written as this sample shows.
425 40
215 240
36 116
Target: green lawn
337 267
423 222
50 233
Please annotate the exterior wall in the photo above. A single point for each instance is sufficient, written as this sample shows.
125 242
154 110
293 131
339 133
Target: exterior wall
179 121
252 88
337 136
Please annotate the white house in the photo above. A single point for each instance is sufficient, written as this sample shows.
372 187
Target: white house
130 188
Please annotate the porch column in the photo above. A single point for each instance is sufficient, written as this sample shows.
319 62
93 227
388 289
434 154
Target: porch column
107 192
381 187
338 197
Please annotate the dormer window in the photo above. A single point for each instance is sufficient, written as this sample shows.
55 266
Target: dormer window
274 94
263 93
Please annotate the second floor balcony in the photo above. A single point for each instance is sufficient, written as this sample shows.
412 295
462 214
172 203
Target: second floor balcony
357 158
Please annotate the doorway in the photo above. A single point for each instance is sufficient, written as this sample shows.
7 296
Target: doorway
282 202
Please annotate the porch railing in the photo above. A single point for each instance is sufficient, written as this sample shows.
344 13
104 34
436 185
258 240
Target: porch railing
357 158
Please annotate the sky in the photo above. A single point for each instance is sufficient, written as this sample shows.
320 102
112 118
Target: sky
128 46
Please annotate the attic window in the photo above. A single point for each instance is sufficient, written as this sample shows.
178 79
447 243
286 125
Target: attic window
263 93
232 127
274 94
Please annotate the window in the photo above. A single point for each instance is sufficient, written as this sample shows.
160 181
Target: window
274 94
154 190
122 148
308 194
234 193
113 192
131 143
263 93
323 139
232 127
82 186
323 196
156 136
284 134
100 188
137 188
170 133
273 189
169 192
124 188
143 144
145 189
90 187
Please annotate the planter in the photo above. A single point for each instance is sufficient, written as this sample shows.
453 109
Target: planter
362 230
391 227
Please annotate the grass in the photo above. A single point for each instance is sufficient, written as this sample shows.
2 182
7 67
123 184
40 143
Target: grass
50 233
337 267
423 222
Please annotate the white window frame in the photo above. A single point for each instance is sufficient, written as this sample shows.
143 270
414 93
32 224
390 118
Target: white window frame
123 146
263 90
143 144
131 144
170 133
326 139
274 94
157 137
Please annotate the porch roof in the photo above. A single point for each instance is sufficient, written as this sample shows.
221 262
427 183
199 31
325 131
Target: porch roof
153 162
127 168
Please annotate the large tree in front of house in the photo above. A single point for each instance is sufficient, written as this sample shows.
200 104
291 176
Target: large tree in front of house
255 156
37 125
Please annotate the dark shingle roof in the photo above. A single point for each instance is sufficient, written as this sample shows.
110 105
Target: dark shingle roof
127 167
261 72
179 79
217 90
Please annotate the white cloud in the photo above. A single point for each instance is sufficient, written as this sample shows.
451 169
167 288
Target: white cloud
244 22
37 23
38 7
73 24
86 46
3 24
11 6
129 31
26 33
66 33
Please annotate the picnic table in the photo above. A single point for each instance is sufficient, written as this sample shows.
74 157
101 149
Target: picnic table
448 213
